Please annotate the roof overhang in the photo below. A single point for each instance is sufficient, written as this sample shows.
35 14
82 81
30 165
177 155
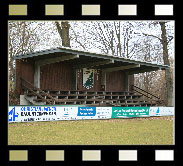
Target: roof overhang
84 59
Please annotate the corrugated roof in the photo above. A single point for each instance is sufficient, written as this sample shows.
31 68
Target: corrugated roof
68 50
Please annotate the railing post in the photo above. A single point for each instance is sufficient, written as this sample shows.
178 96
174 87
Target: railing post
31 87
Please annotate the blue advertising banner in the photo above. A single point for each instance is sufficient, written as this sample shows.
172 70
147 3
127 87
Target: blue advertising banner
86 111
13 115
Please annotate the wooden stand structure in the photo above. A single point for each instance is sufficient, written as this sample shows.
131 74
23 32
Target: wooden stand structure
66 76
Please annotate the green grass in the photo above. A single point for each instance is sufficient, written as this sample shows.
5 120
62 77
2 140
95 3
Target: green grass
137 131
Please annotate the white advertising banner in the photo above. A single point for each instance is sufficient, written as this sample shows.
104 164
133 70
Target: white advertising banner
51 113
161 111
41 113
56 113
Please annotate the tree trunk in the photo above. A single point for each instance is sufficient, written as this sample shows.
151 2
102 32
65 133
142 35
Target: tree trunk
63 31
169 81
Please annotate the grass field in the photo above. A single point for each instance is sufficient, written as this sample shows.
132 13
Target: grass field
137 131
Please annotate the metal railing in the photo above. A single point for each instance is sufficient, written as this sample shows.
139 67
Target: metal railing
36 91
148 95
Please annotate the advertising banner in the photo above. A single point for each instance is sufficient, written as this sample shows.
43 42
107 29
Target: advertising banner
86 111
56 113
128 112
161 111
94 113
41 113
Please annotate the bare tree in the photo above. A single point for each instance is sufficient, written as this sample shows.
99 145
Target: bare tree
108 37
169 80
63 31
165 40
22 39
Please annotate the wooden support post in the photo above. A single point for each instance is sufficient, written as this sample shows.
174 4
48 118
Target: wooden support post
103 79
126 81
37 76
74 79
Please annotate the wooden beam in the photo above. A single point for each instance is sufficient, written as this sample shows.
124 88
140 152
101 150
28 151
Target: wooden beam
93 64
57 59
120 68
143 71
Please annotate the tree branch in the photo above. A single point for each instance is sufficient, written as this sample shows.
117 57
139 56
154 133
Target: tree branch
171 37
59 29
76 39
153 36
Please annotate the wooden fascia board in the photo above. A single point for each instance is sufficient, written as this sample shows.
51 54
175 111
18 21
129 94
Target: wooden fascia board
57 59
93 64
120 59
30 55
120 68
143 71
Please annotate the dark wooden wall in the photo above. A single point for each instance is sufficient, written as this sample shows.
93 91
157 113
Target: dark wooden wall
56 76
59 76
24 69
115 81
